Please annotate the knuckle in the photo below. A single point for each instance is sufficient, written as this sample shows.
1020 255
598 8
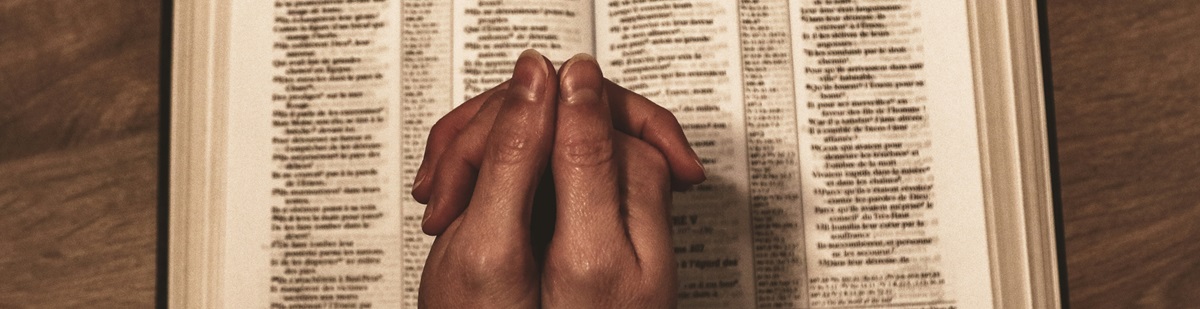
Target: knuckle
662 115
511 149
479 265
590 269
441 128
650 158
585 150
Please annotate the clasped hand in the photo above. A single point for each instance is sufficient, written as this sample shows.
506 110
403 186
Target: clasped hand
553 190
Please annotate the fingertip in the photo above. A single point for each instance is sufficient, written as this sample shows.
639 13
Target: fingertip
688 173
434 227
699 166
685 176
697 172
450 190
531 74
548 63
642 118
669 138
442 209
425 221
420 189
580 81
577 59
584 124
430 228
431 210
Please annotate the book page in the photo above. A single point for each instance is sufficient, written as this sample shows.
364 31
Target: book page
892 175
685 56
793 116
490 34
329 106
312 214
841 143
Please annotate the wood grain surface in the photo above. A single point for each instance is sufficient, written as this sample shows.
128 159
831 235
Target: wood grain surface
1126 77
78 134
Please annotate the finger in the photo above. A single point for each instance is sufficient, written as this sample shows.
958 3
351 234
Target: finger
453 179
441 135
645 175
517 151
638 116
585 177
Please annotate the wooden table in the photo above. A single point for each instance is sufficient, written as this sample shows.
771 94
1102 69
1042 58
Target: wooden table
1125 81
79 121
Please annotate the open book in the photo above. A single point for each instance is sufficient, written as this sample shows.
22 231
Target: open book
860 153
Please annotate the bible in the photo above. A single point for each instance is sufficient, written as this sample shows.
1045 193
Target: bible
859 153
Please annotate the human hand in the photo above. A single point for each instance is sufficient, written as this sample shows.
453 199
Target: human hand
611 246
611 243
485 259
447 176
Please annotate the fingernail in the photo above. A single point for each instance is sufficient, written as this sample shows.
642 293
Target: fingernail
420 179
425 216
580 57
529 79
578 89
549 63
696 158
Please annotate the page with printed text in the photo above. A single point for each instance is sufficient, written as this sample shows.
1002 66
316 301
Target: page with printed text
840 142
330 104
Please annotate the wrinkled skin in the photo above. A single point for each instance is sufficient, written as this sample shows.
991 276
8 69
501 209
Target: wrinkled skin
553 190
